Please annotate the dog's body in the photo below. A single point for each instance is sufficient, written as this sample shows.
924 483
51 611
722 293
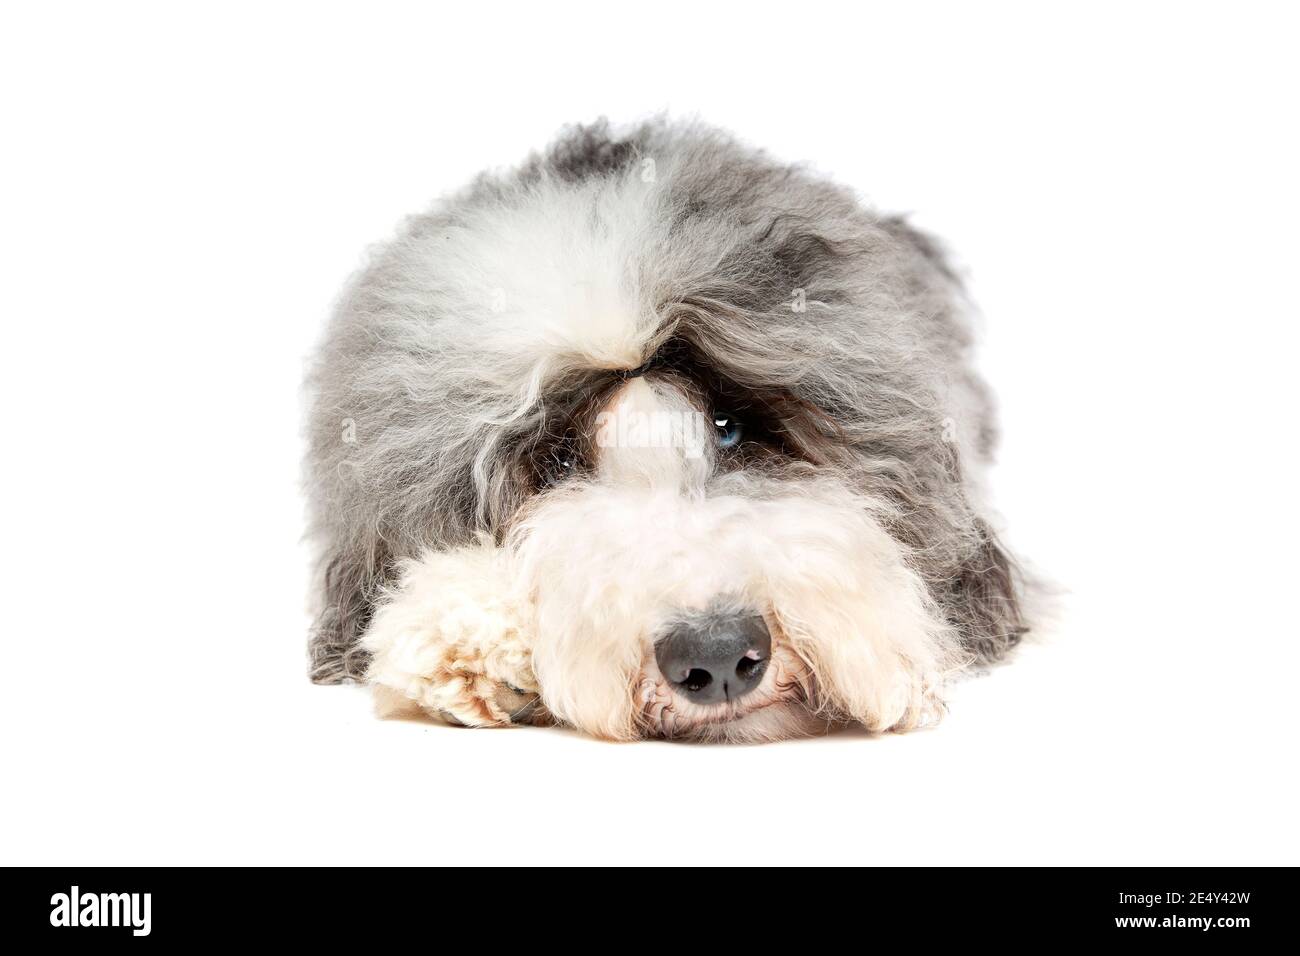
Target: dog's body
651 403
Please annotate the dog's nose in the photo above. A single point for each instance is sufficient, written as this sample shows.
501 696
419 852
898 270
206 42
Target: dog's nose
715 658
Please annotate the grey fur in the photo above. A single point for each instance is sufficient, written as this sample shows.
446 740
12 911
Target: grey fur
874 382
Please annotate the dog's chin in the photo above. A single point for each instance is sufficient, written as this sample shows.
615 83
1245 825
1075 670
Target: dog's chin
780 707
756 723
779 721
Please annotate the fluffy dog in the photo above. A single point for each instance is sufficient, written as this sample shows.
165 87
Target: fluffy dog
655 436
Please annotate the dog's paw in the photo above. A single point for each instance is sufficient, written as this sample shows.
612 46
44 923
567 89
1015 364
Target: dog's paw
449 639
459 683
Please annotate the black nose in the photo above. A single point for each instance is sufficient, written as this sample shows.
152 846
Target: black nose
716 657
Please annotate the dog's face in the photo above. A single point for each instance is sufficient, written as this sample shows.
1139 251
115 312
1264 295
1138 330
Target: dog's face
701 564
714 420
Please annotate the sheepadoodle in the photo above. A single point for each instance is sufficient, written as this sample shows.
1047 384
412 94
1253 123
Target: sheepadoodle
655 436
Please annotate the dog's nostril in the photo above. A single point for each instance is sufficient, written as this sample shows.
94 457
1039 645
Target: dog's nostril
697 679
749 665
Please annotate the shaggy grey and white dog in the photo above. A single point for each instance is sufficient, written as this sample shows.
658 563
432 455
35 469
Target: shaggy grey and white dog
655 436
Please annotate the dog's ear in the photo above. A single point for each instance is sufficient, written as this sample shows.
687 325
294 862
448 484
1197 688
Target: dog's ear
982 595
350 582
984 598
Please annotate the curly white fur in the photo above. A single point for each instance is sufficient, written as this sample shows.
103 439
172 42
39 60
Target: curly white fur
451 637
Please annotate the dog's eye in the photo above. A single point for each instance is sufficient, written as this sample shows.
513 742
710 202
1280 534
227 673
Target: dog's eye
560 461
729 429
558 466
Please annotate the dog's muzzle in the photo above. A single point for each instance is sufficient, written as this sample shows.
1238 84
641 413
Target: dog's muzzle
715 659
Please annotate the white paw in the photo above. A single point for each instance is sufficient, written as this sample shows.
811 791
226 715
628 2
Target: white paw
450 639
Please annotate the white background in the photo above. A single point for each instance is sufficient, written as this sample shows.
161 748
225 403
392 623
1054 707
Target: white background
185 192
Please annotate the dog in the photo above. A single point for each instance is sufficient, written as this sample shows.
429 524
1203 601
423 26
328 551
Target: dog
655 436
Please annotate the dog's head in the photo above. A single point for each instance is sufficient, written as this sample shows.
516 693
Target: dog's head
715 413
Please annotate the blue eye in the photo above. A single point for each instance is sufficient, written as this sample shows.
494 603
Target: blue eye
729 429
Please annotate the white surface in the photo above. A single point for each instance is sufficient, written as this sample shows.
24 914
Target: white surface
184 193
